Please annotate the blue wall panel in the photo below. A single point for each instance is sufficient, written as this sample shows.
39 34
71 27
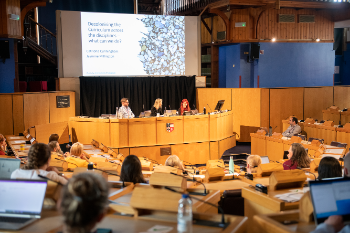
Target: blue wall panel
232 58
7 70
222 66
296 64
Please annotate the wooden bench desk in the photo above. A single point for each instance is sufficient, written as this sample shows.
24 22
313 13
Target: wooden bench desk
274 223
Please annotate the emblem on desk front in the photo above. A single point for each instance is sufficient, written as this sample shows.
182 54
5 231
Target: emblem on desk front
170 127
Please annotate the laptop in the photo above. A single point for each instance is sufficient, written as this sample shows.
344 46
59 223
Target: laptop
7 166
21 202
264 159
330 197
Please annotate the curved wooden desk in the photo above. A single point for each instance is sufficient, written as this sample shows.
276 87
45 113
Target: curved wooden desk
194 138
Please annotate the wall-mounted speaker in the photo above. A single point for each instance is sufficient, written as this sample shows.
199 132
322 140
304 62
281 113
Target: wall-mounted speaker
255 51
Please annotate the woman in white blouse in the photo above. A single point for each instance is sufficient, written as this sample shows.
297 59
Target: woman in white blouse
39 157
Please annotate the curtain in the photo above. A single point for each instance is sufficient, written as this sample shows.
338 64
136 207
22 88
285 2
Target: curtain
102 95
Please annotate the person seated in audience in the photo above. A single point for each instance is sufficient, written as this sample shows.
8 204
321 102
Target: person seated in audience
253 161
174 161
329 167
55 137
157 108
39 157
293 129
77 151
298 158
132 170
335 223
184 106
2 145
83 202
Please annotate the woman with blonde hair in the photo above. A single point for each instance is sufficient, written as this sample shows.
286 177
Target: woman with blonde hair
77 151
39 157
83 202
174 161
297 156
253 161
2 145
157 107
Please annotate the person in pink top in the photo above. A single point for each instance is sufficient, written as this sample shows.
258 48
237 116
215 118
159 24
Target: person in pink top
298 158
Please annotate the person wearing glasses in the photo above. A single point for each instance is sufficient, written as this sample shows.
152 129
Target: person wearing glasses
124 110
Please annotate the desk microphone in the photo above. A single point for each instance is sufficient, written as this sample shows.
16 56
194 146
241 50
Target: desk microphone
209 108
205 189
66 161
47 178
169 107
222 224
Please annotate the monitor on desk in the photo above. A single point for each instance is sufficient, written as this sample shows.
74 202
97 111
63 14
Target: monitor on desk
219 105
330 197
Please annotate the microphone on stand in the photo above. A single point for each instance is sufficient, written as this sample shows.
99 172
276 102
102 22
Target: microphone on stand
209 108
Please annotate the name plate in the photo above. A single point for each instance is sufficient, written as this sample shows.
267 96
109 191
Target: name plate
63 101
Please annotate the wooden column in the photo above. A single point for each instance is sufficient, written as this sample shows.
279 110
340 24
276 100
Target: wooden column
214 66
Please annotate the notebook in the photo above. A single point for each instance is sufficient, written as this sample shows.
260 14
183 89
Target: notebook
330 197
265 159
7 166
21 202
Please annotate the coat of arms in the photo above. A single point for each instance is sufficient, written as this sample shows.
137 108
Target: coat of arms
170 127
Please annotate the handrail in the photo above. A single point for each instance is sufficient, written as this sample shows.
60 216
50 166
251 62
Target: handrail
42 27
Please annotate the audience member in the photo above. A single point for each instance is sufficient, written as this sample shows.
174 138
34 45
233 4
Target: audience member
329 167
293 129
298 158
39 157
83 202
55 137
77 151
2 145
253 161
131 170
174 161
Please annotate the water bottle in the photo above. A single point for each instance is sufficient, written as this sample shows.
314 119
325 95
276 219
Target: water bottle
116 112
184 215
231 166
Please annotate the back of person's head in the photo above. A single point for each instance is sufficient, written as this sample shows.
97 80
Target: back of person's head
54 137
52 145
38 155
2 139
174 161
254 161
347 165
83 201
131 170
300 156
295 120
329 167
76 149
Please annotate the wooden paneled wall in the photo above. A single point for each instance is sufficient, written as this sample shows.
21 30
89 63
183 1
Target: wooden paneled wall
284 103
250 107
317 99
342 96
268 26
10 28
23 110
210 96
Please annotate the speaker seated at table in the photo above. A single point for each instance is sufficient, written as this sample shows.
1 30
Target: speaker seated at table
184 107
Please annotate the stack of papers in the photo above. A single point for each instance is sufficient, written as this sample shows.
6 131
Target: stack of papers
293 195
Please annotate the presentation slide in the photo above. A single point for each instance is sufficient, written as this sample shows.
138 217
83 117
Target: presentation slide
127 44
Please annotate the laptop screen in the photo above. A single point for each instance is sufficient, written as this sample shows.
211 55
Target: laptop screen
7 166
22 196
330 197
265 159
